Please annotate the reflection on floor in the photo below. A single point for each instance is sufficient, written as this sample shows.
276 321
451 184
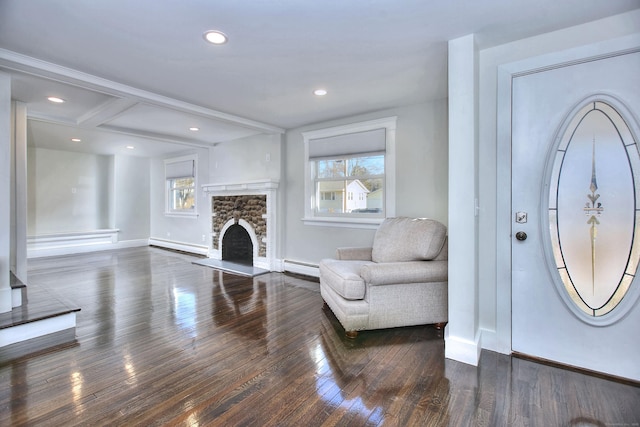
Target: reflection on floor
164 342
232 267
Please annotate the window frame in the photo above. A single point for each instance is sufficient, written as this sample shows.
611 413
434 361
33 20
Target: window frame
169 210
311 215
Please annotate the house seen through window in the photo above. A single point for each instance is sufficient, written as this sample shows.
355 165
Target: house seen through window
356 184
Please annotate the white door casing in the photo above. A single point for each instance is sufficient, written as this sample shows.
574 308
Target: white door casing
544 322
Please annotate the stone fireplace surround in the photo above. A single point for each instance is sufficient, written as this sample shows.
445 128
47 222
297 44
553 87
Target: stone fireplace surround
252 205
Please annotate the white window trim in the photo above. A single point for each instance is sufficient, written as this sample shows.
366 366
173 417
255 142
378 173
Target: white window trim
178 214
310 216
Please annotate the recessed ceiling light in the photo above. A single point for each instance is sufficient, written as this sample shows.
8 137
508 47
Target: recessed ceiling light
130 147
320 92
55 99
194 129
215 37
76 140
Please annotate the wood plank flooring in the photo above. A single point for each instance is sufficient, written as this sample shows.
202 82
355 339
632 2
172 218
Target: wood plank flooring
161 341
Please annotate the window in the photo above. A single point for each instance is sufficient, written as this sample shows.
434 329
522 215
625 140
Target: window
360 176
327 195
181 194
350 174
180 175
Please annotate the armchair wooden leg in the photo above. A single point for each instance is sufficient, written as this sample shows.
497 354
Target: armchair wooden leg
440 325
351 334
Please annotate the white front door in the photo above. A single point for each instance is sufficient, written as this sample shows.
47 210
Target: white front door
576 215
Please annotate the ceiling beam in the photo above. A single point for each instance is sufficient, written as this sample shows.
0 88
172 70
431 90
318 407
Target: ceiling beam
14 61
105 112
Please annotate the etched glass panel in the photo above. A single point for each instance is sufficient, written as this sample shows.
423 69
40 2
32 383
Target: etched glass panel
592 208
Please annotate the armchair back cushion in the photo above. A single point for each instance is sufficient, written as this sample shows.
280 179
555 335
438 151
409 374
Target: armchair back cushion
408 239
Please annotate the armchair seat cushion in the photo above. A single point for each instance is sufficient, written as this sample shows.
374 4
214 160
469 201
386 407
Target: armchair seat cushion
405 272
343 277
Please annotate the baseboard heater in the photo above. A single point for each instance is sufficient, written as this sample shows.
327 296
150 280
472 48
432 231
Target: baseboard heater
300 267
179 246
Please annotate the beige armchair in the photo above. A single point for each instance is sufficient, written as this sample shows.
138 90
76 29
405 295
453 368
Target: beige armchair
400 281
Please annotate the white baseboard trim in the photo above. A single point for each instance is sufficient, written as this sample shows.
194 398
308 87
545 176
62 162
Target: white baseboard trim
277 265
492 342
300 267
130 244
36 329
489 340
78 242
179 246
461 349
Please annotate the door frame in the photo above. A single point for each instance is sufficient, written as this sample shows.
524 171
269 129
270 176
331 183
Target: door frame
504 221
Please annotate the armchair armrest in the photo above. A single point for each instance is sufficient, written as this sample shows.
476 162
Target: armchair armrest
387 273
354 253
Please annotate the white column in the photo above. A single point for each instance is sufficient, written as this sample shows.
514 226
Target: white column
19 194
462 334
5 192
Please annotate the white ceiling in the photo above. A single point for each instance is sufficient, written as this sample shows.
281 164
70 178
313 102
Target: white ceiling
139 72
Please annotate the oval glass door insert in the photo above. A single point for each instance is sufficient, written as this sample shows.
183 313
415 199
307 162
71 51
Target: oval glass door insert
593 212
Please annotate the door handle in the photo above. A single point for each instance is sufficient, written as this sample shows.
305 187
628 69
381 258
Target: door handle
521 235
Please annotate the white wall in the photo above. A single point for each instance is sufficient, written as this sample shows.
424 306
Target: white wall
246 159
128 193
492 272
67 191
131 196
77 192
421 184
188 230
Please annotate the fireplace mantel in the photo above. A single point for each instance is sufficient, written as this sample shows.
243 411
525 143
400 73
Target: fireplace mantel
241 187
262 230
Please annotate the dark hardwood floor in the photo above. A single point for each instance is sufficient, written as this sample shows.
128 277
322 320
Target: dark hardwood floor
161 341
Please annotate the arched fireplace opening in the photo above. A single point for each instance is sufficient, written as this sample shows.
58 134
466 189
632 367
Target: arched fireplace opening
237 246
